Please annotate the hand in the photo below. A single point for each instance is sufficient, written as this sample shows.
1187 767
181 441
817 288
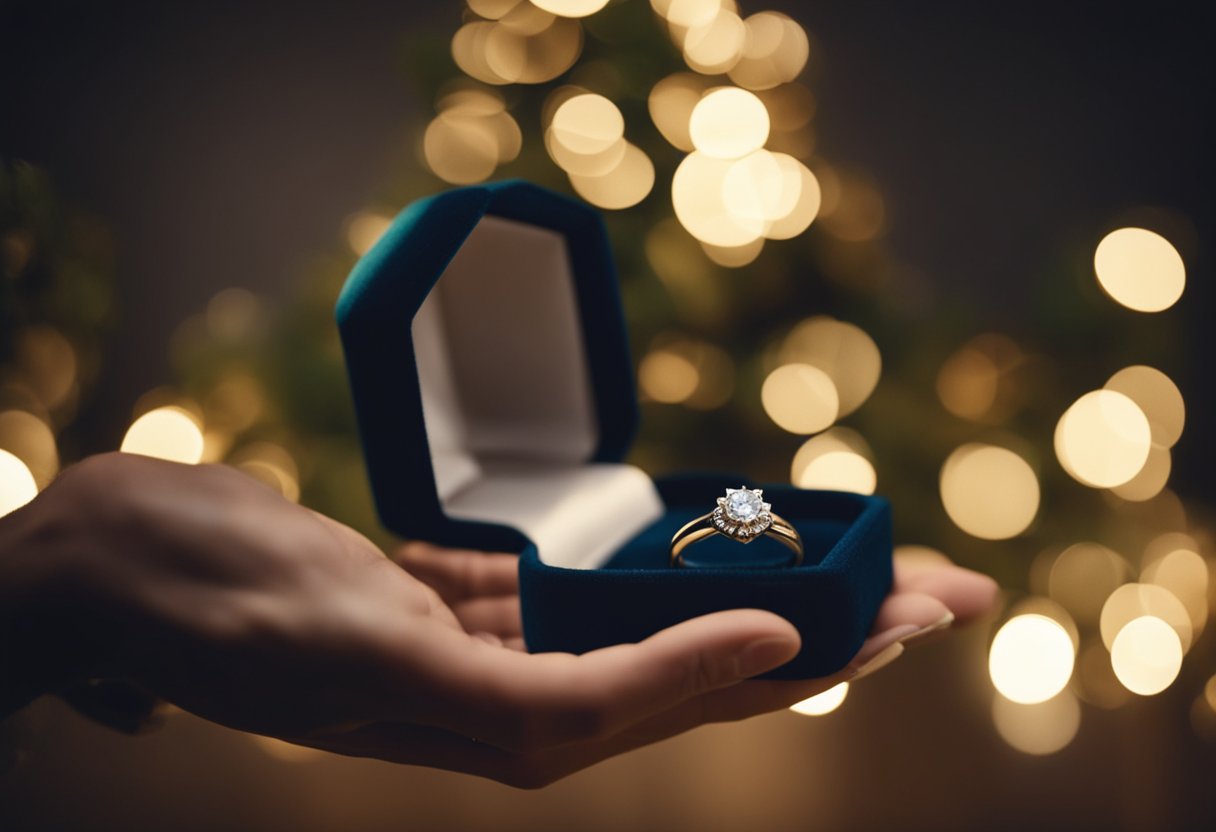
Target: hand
210 590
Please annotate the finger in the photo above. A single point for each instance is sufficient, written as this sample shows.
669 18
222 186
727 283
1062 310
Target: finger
500 616
457 574
911 608
966 593
520 701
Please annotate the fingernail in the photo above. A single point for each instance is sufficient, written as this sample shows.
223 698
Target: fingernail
881 642
924 632
760 656
884 658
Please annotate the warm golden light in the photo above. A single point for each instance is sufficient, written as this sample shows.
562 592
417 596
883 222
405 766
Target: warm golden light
687 13
667 376
842 350
32 441
1140 269
460 150
1151 479
47 362
1083 577
671 102
1184 573
1103 439
762 186
1038 729
587 124
17 486
364 229
570 8
1155 394
729 123
806 206
271 465
989 492
624 186
165 433
800 398
822 703
1146 655
1132 601
697 196
837 439
775 51
1031 659
976 382
733 257
839 471
715 47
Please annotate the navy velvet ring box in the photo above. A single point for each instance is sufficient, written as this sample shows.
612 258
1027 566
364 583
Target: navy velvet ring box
489 363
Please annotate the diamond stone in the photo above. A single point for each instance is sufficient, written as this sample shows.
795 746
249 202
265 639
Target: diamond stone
743 504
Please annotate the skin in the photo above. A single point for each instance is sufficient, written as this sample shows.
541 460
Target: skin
209 590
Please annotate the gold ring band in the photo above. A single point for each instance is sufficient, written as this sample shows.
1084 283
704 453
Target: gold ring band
743 516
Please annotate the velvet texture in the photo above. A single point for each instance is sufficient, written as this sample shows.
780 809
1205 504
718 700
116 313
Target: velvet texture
832 598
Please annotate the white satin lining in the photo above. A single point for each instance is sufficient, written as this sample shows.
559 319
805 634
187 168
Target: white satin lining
507 400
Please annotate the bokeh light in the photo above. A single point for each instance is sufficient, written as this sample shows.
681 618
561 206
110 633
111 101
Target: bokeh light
667 376
775 51
272 465
842 350
1103 439
570 8
32 441
837 439
1146 655
1182 571
687 13
686 371
822 703
715 47
1136 600
697 194
17 486
976 381
623 186
1150 480
587 124
800 398
839 471
729 123
1140 269
165 433
1083 576
1031 659
988 491
1040 728
460 150
364 230
671 102
1155 394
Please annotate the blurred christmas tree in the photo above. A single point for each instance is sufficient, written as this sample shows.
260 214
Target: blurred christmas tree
764 306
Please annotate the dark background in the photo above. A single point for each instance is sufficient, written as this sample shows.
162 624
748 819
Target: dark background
225 144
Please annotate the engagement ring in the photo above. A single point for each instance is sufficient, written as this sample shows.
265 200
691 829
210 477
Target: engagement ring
742 515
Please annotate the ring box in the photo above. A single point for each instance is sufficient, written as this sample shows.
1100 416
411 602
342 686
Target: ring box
488 359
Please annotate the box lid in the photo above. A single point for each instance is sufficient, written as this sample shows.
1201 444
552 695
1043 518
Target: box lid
487 353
